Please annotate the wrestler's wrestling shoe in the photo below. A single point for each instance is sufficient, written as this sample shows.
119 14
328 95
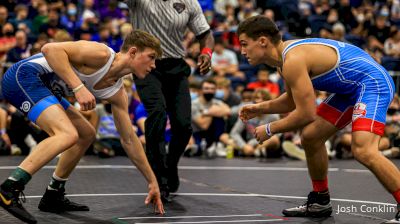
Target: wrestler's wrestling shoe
12 199
55 201
317 205
397 217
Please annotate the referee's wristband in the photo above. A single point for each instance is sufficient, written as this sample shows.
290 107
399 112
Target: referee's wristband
268 129
2 131
206 51
76 89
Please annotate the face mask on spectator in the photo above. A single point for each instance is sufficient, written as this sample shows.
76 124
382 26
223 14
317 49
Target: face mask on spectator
194 96
71 12
391 111
9 33
219 94
208 96
360 18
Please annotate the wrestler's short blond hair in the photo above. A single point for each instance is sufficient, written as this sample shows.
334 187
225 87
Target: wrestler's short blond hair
141 39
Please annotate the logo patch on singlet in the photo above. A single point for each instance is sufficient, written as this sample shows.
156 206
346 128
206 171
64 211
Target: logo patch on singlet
179 7
360 110
26 106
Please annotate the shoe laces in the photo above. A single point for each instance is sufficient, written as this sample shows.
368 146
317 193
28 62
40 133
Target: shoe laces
19 197
311 198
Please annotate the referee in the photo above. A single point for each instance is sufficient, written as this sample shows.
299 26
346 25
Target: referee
165 91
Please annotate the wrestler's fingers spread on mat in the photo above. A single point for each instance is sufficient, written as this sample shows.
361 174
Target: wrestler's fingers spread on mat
159 207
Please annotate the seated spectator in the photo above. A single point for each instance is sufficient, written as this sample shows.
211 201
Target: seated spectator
62 36
107 142
139 123
263 82
224 62
41 18
246 98
392 44
125 29
111 11
7 41
208 115
21 17
21 49
52 25
108 39
248 144
225 93
380 31
71 20
3 16
392 128
339 32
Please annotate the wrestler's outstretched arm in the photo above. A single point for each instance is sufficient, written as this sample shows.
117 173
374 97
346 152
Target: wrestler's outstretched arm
133 148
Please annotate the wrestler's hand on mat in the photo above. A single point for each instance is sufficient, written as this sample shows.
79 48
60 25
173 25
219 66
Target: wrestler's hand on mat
249 111
204 63
154 197
85 99
260 134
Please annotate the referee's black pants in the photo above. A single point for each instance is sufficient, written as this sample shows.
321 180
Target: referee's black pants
166 91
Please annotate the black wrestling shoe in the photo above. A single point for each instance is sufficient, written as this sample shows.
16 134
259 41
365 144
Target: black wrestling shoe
173 179
397 217
55 201
317 205
12 199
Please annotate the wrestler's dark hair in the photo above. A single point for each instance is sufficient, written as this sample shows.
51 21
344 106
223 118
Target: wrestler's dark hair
141 39
257 26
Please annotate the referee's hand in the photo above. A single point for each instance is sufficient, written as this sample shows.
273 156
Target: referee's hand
204 63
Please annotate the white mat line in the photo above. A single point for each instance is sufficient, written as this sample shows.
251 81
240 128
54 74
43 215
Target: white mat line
191 217
186 168
222 195
228 221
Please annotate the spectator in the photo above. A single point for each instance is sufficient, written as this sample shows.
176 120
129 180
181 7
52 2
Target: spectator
41 18
108 39
3 16
111 11
263 82
53 24
21 12
7 41
225 62
249 145
125 29
392 44
89 14
107 139
339 32
380 31
70 20
21 49
225 93
62 36
246 11
208 114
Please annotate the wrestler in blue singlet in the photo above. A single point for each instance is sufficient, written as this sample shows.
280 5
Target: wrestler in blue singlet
361 88
27 86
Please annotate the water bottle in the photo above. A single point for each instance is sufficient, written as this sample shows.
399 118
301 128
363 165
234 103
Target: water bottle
229 152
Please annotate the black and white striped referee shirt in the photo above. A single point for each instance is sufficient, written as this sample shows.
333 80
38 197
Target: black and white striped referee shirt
168 20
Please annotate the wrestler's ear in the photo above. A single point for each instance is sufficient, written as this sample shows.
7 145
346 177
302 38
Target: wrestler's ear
263 41
132 51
